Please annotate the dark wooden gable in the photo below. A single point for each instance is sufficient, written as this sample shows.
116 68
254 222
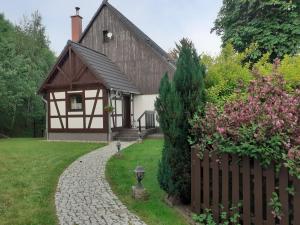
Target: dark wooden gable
69 72
137 56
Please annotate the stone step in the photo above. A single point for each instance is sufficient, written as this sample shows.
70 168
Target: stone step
126 139
132 134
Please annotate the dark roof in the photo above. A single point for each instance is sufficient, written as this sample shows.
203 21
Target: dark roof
107 71
140 34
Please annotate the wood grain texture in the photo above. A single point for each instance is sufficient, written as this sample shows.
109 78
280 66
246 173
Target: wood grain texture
138 61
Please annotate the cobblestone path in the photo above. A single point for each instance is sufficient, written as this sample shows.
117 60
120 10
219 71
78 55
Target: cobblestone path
84 197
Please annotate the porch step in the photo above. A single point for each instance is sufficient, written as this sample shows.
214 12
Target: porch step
133 134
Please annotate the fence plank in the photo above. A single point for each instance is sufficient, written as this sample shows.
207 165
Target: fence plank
296 203
235 181
258 203
270 188
283 195
215 187
246 191
196 180
206 187
225 181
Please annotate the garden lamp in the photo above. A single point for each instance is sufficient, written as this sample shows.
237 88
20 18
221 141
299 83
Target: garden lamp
139 173
118 146
140 137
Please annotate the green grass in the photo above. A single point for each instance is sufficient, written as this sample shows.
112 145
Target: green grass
29 172
120 174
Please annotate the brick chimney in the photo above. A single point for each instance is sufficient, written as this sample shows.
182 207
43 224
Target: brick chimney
76 21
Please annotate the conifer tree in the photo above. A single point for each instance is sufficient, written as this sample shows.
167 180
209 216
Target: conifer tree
168 108
189 86
178 101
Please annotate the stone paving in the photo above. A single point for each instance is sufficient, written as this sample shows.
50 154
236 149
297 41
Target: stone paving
84 197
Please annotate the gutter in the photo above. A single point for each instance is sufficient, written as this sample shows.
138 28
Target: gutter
46 129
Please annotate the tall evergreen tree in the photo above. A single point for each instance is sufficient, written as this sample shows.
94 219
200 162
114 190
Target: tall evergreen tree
168 108
176 105
189 85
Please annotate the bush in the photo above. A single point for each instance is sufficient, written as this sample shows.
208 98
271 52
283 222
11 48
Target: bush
289 67
225 73
228 72
265 125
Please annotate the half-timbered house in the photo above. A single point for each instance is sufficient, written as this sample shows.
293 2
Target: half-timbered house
105 81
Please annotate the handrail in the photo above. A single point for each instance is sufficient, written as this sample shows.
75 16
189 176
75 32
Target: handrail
150 119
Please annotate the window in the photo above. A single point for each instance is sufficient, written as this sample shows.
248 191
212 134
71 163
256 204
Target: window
75 102
107 36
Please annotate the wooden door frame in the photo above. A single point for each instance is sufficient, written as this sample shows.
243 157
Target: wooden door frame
126 111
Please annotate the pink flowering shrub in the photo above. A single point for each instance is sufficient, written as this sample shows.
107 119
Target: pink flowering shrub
265 125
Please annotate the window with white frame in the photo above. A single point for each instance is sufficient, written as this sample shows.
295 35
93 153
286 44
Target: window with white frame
75 102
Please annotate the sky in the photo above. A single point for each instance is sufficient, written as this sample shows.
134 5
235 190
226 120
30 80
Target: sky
164 21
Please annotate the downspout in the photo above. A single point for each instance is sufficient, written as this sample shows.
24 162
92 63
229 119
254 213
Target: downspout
109 133
46 130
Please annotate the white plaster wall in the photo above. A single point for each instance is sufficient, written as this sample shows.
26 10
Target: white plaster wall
89 106
75 122
90 93
97 123
141 103
61 107
55 123
99 107
53 111
75 113
59 95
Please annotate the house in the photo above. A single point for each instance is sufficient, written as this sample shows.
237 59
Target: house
105 81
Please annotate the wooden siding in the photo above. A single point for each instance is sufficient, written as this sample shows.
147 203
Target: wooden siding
70 72
142 65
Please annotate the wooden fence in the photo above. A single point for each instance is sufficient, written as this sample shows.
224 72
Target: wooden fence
229 180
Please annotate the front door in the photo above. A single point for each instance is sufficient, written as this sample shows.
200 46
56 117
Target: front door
127 120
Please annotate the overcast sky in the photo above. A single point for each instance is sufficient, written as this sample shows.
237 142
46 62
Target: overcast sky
164 21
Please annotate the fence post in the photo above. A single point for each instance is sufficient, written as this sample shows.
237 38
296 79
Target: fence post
258 203
225 182
283 195
270 188
215 186
206 186
235 171
246 191
296 203
195 180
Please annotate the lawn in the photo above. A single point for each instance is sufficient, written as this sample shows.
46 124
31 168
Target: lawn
29 172
120 174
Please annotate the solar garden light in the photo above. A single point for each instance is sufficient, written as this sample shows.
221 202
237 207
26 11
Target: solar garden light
138 191
139 173
118 146
140 137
